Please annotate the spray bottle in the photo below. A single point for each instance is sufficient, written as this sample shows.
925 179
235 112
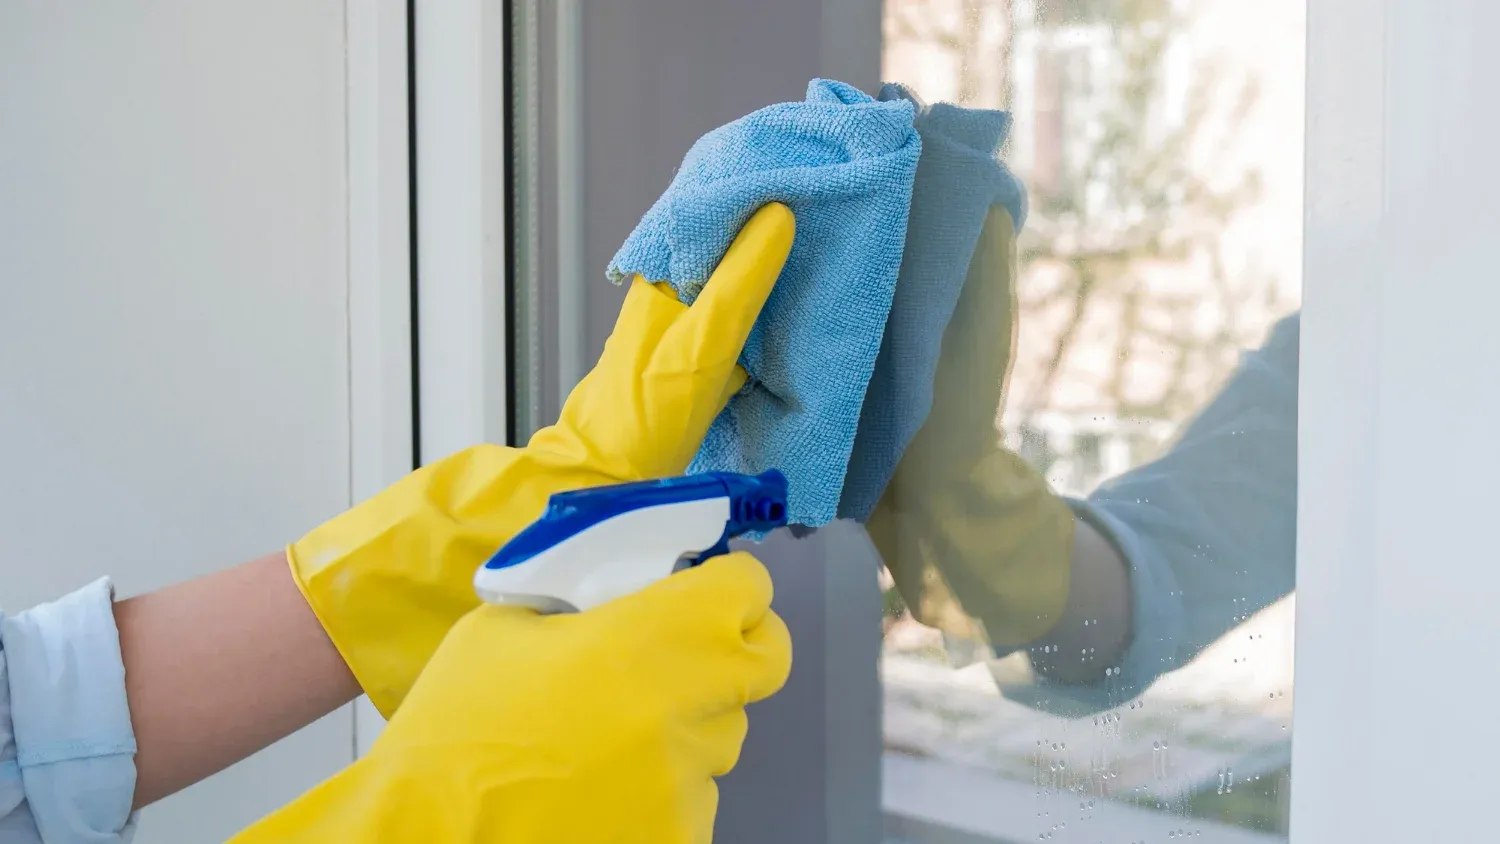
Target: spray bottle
594 545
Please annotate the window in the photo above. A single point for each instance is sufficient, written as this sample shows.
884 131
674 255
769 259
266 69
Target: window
1160 144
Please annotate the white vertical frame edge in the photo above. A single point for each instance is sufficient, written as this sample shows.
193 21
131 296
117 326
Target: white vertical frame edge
379 202
1394 725
460 240
461 225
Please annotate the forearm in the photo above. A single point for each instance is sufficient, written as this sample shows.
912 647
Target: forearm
1094 630
219 667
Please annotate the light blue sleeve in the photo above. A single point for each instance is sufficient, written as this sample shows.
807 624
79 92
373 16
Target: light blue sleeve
1209 529
67 762
16 824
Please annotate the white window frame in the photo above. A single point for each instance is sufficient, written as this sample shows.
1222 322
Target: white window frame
459 311
461 224
1394 574
382 447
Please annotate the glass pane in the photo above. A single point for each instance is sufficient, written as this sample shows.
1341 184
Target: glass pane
1152 384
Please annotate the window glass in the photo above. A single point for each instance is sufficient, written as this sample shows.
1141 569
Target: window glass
1152 386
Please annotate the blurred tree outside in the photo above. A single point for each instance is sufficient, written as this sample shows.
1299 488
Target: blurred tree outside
1129 309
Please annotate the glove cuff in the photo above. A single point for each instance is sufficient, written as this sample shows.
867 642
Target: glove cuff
986 552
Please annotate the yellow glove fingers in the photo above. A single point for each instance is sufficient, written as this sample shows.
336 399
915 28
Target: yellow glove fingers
722 737
977 351
648 312
734 587
709 338
666 289
725 602
737 378
982 321
768 654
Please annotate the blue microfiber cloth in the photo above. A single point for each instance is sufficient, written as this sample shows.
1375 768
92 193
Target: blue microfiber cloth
844 163
822 406
959 177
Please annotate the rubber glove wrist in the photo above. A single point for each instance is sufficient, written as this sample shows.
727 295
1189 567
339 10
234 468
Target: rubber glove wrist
379 799
388 579
365 802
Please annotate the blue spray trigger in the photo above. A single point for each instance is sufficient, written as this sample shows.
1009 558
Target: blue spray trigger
757 504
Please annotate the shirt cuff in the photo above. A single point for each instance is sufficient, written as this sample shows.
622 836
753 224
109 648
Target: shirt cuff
15 816
74 742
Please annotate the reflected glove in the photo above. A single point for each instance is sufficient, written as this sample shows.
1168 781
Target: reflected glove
389 577
970 532
600 727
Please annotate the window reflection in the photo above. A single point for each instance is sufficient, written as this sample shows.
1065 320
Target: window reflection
1154 384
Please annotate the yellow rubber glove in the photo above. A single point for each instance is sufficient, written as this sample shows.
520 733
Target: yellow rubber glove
977 543
388 578
601 727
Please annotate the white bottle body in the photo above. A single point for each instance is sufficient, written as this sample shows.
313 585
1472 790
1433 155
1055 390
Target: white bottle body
616 557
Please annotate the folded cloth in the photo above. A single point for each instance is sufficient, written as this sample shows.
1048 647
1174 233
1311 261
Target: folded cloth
844 163
959 177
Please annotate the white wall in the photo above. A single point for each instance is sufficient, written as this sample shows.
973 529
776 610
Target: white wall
174 343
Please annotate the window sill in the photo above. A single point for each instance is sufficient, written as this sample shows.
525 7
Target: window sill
931 802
